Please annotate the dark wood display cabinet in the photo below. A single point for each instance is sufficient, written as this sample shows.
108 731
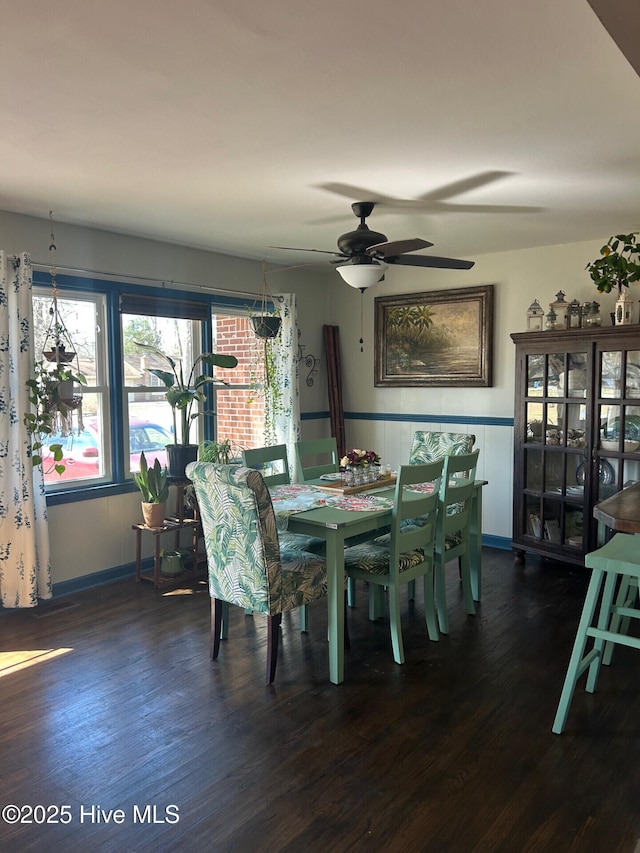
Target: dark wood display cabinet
577 434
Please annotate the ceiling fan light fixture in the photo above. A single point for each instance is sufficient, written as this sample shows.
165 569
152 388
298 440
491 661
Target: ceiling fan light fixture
362 276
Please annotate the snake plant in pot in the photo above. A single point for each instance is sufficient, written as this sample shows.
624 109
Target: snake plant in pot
154 488
183 395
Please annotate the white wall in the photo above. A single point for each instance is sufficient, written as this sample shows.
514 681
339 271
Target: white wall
519 277
94 535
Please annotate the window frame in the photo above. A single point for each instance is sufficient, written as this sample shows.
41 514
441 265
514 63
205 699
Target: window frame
112 291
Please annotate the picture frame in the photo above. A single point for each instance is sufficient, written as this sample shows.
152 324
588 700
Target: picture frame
435 338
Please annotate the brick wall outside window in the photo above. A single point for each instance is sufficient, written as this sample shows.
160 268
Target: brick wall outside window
238 419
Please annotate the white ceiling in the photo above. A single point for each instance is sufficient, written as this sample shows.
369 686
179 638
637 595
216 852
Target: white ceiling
216 123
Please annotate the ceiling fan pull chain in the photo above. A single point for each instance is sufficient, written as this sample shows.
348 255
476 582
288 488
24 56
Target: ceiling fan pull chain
361 321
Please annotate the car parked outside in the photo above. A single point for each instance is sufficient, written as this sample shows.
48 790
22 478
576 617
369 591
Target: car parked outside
82 456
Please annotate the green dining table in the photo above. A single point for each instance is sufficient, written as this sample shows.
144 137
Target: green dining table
336 526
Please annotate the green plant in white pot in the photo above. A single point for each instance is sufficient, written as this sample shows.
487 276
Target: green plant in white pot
618 265
184 395
154 487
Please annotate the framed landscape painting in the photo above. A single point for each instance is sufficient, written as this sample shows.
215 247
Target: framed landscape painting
435 338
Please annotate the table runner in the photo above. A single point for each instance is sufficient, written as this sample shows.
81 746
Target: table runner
299 497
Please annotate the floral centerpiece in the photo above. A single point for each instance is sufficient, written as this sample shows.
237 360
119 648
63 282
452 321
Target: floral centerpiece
359 458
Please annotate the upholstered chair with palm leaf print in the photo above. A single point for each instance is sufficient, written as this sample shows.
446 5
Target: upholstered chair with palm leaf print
246 565
428 446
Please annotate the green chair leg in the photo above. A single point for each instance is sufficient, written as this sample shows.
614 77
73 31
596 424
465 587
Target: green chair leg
578 661
465 576
441 598
351 592
430 614
627 595
395 624
376 601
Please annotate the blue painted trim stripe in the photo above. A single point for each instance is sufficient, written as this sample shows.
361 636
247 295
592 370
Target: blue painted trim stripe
481 420
98 578
500 542
433 419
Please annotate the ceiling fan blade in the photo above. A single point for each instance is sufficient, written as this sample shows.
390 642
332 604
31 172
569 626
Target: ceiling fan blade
464 185
299 249
445 207
356 193
398 247
430 261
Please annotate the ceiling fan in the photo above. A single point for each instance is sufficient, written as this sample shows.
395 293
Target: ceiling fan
364 255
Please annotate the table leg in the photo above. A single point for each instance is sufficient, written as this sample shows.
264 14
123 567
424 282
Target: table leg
475 557
335 604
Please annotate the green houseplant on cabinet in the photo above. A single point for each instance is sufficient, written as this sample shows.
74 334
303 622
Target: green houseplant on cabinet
183 395
154 488
618 265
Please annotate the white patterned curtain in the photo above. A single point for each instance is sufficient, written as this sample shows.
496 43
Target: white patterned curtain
286 411
25 569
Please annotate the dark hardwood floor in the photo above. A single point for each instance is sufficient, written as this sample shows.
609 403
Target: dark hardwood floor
121 708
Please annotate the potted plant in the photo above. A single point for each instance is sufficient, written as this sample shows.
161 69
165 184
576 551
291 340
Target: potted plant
182 395
53 401
266 324
215 451
154 488
618 265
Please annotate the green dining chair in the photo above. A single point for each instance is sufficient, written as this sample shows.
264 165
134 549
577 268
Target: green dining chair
246 564
453 530
272 462
409 552
316 457
429 446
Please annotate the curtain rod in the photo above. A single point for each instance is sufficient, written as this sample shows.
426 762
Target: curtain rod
45 267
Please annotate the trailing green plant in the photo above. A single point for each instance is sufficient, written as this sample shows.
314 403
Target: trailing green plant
618 265
267 382
183 393
51 397
152 482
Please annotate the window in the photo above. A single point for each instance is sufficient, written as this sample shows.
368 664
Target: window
147 412
124 410
85 443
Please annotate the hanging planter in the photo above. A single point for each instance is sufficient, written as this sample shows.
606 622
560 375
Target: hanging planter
266 321
53 388
57 355
266 326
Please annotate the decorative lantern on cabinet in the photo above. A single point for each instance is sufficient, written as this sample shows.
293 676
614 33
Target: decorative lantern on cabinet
535 317
574 316
624 308
594 317
561 309
551 321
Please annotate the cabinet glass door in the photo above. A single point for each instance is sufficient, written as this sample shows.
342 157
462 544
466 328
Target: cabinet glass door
618 420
